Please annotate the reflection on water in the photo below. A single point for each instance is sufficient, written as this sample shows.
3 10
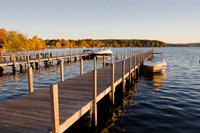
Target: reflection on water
157 78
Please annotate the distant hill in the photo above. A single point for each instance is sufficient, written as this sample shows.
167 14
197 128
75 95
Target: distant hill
183 45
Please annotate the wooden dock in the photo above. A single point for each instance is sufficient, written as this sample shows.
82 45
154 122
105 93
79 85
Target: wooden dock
35 59
56 108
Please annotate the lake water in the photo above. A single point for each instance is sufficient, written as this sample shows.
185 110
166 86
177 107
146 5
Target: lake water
167 103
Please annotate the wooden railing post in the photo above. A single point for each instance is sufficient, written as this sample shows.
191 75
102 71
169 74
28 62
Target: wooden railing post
61 71
2 56
130 67
57 55
70 58
65 54
138 63
113 81
81 67
39 58
123 74
55 108
135 66
30 79
94 109
49 57
28 60
14 64
103 60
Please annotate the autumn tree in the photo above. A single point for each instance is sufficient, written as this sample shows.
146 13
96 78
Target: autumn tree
13 41
3 37
66 44
36 43
58 44
84 44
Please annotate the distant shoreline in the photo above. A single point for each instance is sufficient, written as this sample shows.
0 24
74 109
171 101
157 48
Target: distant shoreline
183 45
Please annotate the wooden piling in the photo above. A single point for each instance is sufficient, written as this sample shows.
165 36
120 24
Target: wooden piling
30 79
94 109
39 58
81 67
55 108
61 71
112 81
130 67
65 54
14 64
123 74
103 60
1 55
138 64
28 61
135 66
70 58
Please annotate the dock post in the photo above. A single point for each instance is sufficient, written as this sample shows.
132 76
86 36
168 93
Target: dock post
49 57
2 56
14 64
130 66
103 60
61 71
30 79
55 108
123 75
70 58
65 54
113 87
94 109
124 55
39 59
28 60
81 66
135 66
20 68
138 63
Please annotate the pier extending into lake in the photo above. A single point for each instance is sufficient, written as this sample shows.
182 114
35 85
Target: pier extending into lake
56 108
34 59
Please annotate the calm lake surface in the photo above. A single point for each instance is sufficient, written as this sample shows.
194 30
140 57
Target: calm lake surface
167 103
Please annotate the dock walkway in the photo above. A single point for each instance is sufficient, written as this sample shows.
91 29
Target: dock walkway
33 113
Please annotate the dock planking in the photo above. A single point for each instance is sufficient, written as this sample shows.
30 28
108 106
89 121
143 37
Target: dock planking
32 112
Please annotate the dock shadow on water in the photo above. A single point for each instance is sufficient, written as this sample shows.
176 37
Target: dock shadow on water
107 117
113 121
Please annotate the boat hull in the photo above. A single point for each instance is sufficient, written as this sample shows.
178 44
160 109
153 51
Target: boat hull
154 67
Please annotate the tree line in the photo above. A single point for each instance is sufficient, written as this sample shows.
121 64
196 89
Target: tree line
12 40
62 43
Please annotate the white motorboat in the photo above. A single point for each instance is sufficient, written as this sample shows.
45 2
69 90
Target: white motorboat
155 65
105 51
109 61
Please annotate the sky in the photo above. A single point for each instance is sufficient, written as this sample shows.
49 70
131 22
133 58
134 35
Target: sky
171 21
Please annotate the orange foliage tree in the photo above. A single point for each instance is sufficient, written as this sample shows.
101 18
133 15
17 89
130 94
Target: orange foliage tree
3 37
